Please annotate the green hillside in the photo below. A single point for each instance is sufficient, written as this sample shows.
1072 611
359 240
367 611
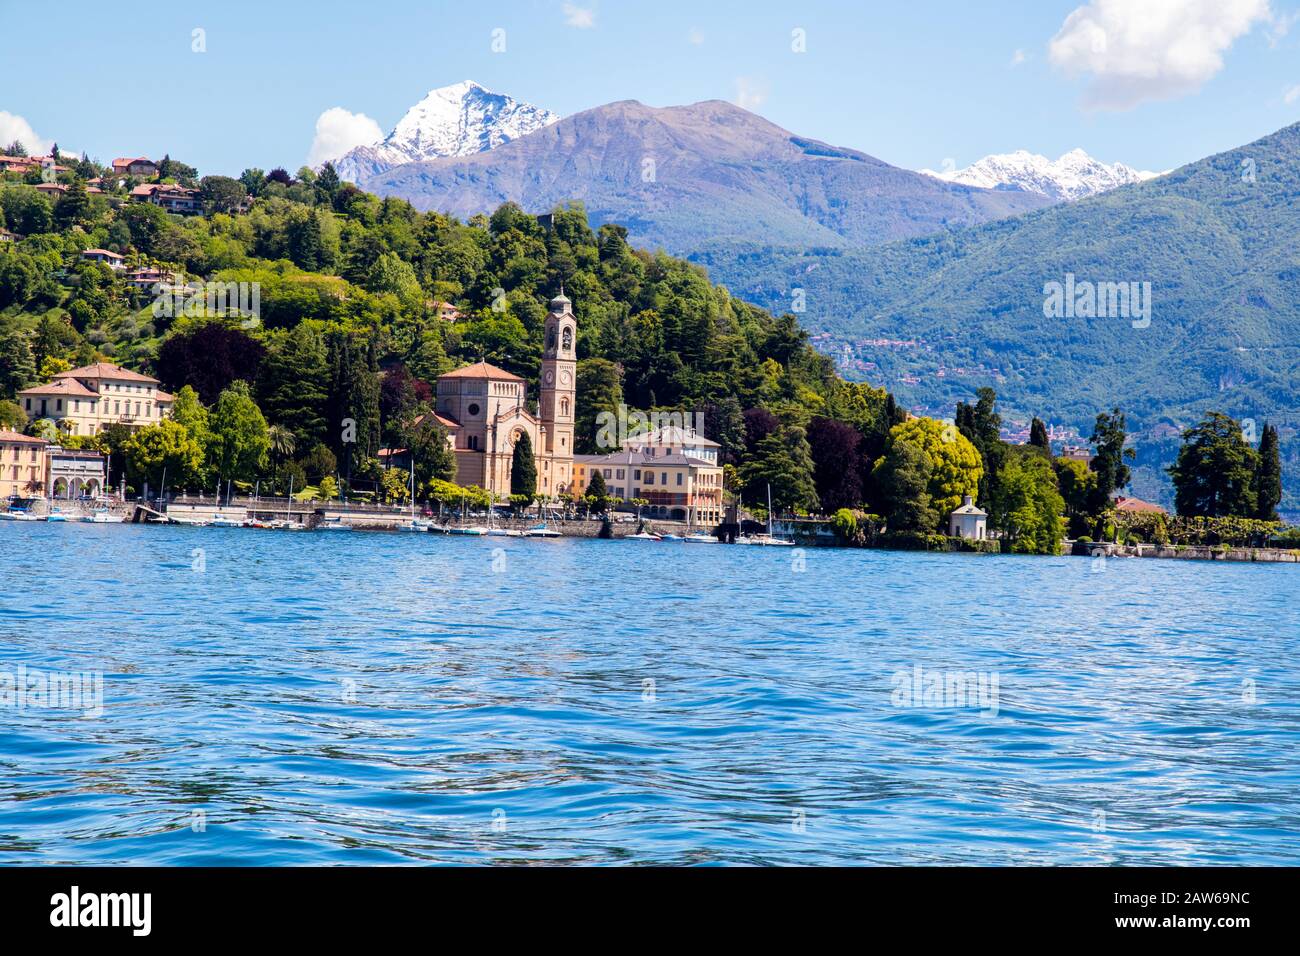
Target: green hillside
1217 240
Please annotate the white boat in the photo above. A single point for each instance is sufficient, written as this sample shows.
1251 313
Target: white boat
642 536
102 517
336 524
700 537
764 541
418 525
223 522
56 515
768 540
476 530
189 522
541 531
17 514
284 524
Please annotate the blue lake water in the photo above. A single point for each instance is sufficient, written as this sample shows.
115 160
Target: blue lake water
366 698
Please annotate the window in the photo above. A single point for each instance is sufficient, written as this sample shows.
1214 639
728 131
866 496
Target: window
637 474
663 478
473 442
473 408
619 474
679 478
649 477
608 473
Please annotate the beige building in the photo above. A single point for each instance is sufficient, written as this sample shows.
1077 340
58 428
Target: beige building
677 487
93 396
485 411
23 463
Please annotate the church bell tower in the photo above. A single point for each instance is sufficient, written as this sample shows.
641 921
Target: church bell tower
559 387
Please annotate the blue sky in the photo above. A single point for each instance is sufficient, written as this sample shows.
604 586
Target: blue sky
913 83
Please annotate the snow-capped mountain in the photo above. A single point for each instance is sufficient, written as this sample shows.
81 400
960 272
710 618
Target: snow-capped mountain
1076 175
453 120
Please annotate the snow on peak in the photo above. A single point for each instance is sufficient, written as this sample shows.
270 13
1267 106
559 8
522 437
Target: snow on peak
455 120
1076 175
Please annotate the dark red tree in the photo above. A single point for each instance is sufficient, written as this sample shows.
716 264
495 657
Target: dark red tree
837 463
209 358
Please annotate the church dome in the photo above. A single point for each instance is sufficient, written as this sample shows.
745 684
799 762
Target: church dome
561 302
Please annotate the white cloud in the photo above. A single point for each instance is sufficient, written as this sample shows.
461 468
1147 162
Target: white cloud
16 128
579 17
750 93
1018 57
1291 95
337 131
695 37
1150 50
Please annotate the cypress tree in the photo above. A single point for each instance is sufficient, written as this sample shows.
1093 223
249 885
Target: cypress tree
523 470
1038 436
1268 476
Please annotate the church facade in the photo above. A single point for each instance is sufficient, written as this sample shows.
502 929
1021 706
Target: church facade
485 410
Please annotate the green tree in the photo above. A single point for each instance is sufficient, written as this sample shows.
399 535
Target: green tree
74 208
190 412
1078 485
597 490
1027 505
1038 436
982 425
956 466
903 476
240 440
164 447
523 469
782 460
1108 437
1268 475
1214 475
17 366
293 386
427 443
600 389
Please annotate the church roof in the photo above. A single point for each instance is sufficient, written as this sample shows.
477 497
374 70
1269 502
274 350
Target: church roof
482 370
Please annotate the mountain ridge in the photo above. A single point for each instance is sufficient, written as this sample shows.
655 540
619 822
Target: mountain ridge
1075 175
681 176
456 120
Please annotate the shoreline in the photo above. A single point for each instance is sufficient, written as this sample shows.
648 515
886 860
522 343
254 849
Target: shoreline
805 534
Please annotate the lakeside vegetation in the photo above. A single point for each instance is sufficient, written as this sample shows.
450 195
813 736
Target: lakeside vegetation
364 302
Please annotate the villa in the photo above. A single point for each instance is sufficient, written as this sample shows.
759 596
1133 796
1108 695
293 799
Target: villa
87 399
22 465
677 487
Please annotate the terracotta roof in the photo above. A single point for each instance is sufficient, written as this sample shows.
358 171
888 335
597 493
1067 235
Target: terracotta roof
106 370
100 252
12 437
1137 504
123 161
164 396
442 420
482 370
61 386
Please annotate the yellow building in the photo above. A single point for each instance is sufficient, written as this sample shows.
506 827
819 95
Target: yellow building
677 487
93 396
23 461
484 409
